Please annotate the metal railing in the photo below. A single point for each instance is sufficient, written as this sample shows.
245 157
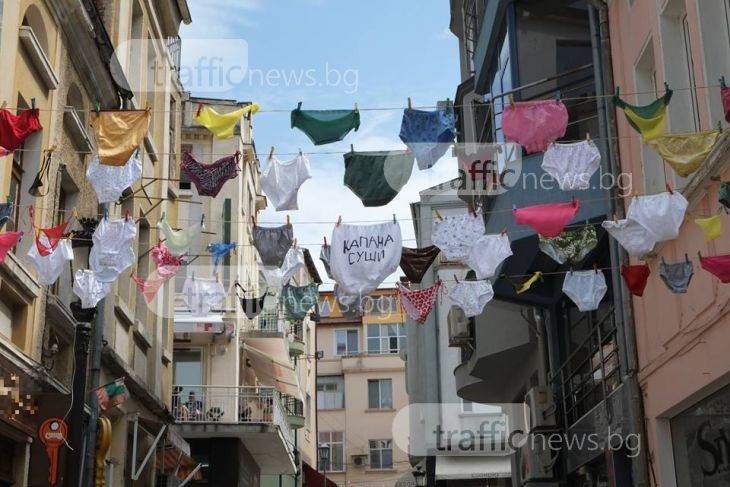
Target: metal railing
271 320
297 330
591 372
174 46
292 405
225 404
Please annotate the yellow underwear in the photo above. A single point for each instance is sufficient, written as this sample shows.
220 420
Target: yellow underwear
222 124
685 152
118 133
528 284
711 227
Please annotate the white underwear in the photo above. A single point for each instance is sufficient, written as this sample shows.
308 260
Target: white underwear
661 214
109 182
471 296
112 251
637 240
293 261
456 235
364 255
281 181
50 267
487 254
585 288
89 288
572 165
201 295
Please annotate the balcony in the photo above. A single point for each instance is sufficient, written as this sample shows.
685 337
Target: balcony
294 411
296 339
269 324
255 415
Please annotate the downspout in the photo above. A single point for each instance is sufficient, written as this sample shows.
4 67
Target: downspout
601 43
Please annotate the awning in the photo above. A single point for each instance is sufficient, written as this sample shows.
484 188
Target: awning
172 454
270 360
469 467
314 478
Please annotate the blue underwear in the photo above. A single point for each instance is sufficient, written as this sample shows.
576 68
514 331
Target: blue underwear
428 134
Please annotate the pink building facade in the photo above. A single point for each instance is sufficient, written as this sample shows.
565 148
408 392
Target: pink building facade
682 339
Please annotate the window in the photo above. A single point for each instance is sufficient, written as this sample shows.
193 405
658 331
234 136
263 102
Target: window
331 392
188 370
15 183
390 338
336 442
383 305
714 26
381 454
346 342
380 394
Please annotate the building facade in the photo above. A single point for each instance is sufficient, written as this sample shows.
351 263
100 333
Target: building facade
360 390
683 372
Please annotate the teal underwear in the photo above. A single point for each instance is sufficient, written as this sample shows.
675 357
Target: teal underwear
325 126
377 177
298 300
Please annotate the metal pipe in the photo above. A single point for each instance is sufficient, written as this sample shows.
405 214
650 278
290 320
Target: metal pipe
94 375
75 459
601 42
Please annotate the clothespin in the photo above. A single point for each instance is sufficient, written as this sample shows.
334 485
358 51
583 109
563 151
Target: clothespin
394 220
722 82
595 267
669 188
617 92
200 109
456 279
699 254
288 220
571 271
557 97
719 125
325 241
504 231
299 106
75 213
294 244
438 215
271 153
588 136
511 99
339 221
666 86
162 216
686 257
514 207
32 103
133 271
410 104
352 149
472 211
448 102
357 110
8 199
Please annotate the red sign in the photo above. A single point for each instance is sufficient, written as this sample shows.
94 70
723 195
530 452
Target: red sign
53 433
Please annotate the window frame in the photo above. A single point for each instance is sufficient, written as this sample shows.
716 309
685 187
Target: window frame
347 351
341 444
380 399
401 338
337 381
379 448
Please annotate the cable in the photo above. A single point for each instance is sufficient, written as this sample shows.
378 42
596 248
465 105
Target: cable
400 108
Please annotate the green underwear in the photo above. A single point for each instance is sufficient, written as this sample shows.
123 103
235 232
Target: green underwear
570 247
377 177
648 120
325 126
298 300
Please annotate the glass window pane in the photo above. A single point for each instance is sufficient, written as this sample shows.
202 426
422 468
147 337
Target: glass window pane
374 345
373 444
386 393
337 436
393 344
392 330
387 461
352 341
372 331
373 394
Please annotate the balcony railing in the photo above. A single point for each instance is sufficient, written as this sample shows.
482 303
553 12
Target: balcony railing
591 372
230 405
174 45
271 320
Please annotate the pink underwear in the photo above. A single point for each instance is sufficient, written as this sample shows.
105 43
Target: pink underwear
7 242
167 263
547 220
719 266
535 124
149 287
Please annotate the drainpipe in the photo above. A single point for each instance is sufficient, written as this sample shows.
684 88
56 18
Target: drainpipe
601 43
94 374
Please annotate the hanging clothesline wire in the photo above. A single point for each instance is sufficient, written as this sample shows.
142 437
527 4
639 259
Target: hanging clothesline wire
422 107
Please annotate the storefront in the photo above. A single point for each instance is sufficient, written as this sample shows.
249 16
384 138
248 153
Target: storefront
701 442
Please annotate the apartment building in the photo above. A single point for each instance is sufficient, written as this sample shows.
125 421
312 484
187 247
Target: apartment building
60 58
361 389
683 370
573 370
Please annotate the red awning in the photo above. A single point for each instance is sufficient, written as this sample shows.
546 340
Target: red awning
315 479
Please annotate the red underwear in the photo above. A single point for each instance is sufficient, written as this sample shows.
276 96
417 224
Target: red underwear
726 102
719 266
15 128
149 287
635 277
7 242
418 303
547 220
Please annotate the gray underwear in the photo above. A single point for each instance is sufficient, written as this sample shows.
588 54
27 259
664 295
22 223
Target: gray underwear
677 276
273 243
324 256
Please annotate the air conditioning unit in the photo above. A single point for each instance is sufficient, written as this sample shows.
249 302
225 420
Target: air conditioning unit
540 407
359 460
459 329
535 462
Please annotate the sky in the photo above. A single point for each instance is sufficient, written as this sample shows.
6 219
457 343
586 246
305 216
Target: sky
328 54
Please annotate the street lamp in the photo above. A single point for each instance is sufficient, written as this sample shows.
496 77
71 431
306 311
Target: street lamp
324 458
420 476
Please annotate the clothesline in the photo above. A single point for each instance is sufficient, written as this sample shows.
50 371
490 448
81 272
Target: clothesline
263 156
422 107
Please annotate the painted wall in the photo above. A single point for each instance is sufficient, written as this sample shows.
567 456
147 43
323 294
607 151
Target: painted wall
680 337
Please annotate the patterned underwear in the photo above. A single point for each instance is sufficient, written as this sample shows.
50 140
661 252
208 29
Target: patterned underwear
210 178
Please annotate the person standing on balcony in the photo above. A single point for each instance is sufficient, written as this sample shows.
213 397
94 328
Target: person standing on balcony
194 406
